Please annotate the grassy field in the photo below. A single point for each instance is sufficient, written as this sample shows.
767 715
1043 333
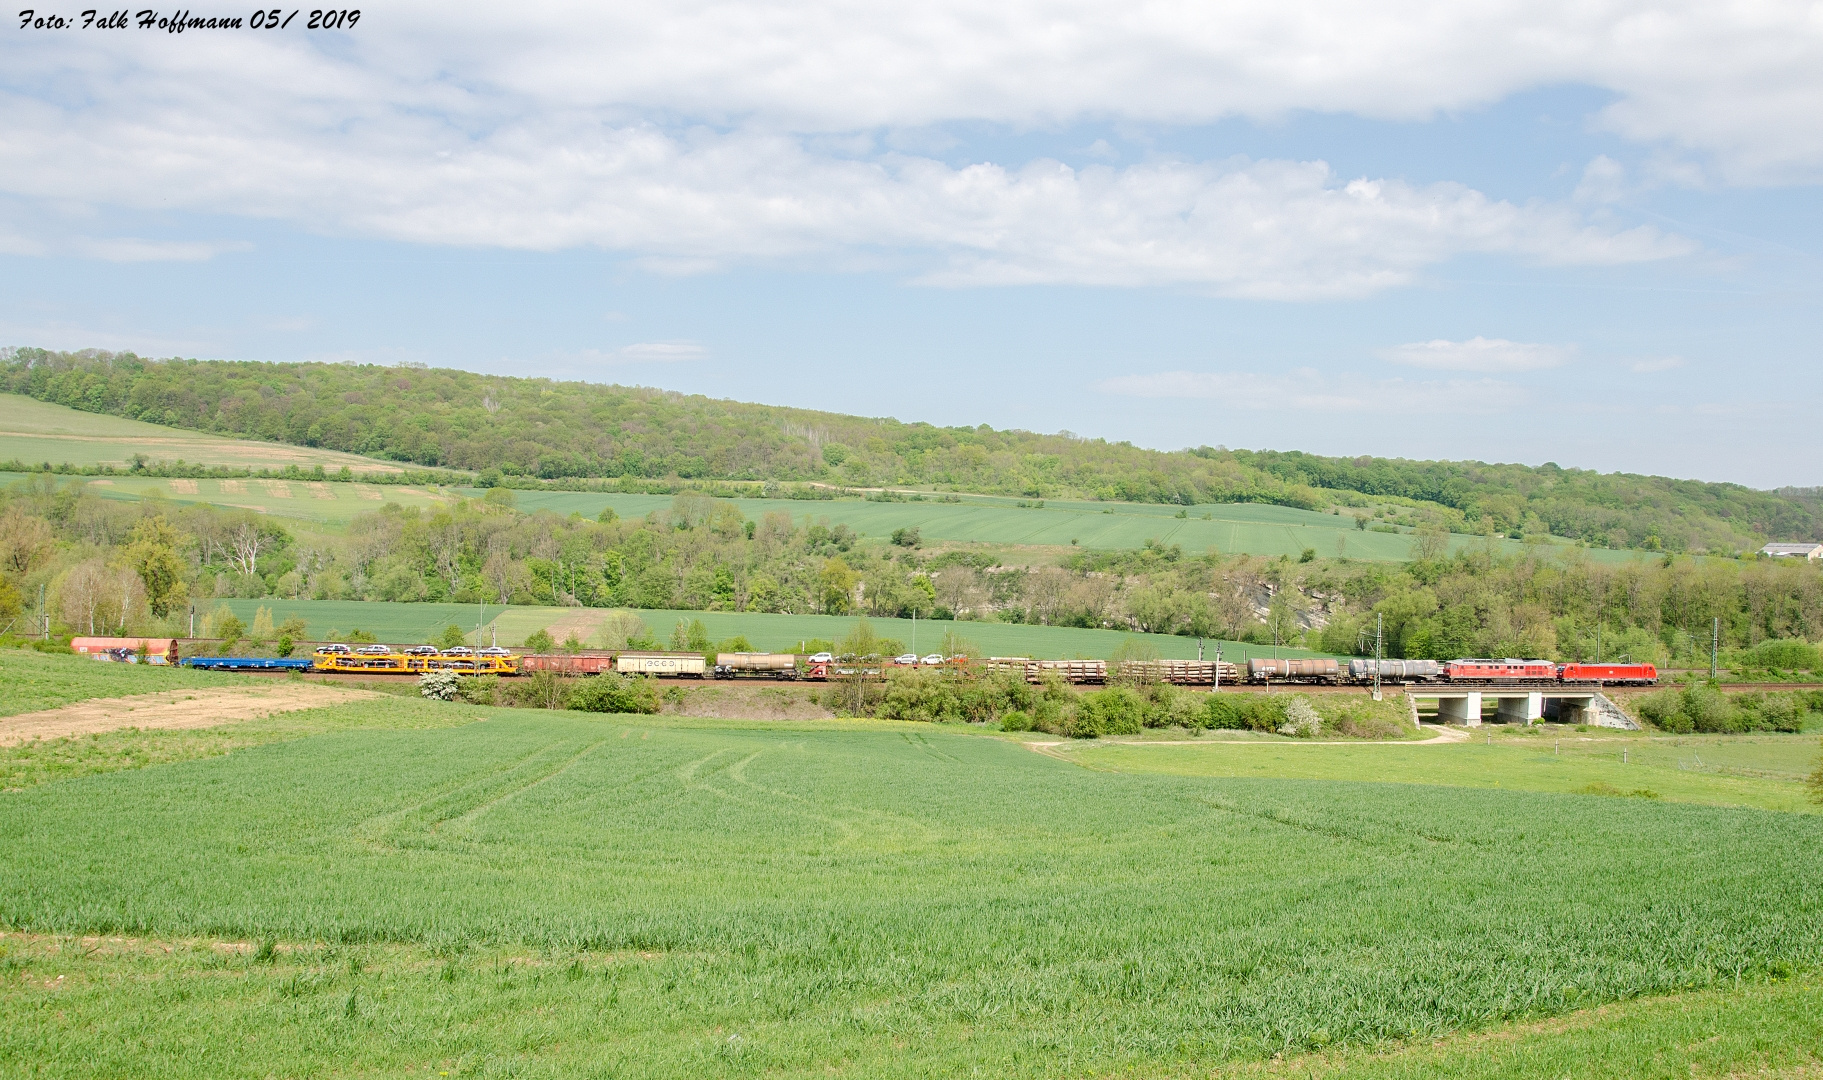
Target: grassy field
317 501
1231 528
1662 767
403 887
551 895
30 681
35 431
401 623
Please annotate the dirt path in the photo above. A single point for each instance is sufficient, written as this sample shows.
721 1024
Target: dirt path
173 709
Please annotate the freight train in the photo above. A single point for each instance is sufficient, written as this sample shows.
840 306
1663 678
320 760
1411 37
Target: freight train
414 660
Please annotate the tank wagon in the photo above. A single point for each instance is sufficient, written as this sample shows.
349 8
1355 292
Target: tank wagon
1395 671
735 665
1313 670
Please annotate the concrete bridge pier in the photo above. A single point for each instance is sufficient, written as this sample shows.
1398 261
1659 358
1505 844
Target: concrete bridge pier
1524 709
1462 708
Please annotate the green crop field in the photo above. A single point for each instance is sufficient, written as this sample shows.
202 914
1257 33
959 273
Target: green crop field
1697 769
1231 528
401 887
405 623
35 431
327 502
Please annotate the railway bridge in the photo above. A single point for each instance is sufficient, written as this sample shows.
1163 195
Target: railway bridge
1525 703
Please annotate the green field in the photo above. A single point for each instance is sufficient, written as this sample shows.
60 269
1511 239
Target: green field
1695 769
35 431
31 681
1230 528
405 623
327 502
402 887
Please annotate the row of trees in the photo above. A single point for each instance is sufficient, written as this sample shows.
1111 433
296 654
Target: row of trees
507 427
107 565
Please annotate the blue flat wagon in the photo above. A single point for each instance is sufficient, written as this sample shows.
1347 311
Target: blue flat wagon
247 663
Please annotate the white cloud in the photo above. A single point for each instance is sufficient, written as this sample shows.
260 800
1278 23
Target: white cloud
663 352
696 134
1479 354
1741 82
1309 391
1604 180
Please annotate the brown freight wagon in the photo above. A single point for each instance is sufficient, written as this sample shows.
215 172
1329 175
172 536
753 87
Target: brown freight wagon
587 662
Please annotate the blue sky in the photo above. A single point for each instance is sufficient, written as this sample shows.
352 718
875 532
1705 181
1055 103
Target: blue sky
1519 233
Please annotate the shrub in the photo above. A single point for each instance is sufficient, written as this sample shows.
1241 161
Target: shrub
1783 655
611 693
478 689
1704 708
438 685
285 646
1114 711
1301 720
1244 712
539 641
1020 721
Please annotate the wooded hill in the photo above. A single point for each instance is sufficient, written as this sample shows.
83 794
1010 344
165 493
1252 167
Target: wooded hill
516 430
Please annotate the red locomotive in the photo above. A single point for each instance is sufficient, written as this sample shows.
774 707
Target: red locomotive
1619 674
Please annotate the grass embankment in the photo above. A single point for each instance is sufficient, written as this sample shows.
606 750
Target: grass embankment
549 894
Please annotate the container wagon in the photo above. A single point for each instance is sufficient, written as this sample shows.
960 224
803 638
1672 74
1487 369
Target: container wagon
645 663
1315 670
734 665
126 649
1616 674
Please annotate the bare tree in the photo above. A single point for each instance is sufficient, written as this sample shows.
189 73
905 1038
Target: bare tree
84 594
244 546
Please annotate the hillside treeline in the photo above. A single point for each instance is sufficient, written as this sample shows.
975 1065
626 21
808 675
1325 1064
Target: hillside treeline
109 565
518 430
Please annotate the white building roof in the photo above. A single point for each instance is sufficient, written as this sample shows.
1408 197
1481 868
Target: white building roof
1807 551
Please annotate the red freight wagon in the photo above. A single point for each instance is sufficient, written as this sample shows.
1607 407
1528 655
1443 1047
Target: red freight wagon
1491 670
1636 674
